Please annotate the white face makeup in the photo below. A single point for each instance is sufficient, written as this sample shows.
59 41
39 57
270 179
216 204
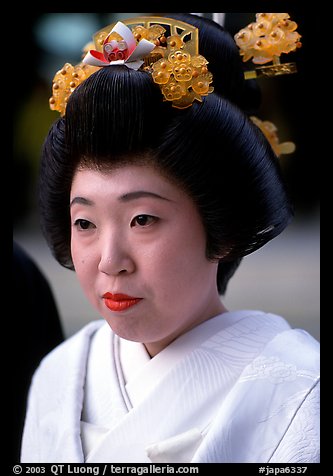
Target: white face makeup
139 250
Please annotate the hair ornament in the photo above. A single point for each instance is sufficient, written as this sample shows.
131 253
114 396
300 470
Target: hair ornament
270 131
120 47
64 83
166 48
265 40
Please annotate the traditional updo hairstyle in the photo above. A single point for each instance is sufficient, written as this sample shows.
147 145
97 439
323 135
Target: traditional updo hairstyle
212 150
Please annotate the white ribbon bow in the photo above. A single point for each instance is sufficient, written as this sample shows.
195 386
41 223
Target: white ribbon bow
136 51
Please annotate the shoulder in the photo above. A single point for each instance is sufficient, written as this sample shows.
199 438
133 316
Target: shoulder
284 341
275 398
286 371
291 364
297 347
286 374
286 350
70 354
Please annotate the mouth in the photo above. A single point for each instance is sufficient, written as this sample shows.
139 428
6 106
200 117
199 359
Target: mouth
119 302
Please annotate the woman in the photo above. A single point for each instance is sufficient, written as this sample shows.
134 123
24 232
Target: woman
154 207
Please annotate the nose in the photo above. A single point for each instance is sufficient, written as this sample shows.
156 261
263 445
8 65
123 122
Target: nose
115 256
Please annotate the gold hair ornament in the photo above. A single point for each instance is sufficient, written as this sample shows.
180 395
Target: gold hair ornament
265 40
270 131
166 48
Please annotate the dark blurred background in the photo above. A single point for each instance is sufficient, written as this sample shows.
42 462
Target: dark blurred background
286 272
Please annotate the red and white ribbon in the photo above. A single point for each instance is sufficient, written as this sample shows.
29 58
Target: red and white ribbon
136 52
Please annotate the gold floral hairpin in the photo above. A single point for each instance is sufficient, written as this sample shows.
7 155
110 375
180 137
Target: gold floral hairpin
168 49
270 131
265 40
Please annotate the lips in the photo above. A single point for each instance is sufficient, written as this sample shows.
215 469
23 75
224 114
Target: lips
119 302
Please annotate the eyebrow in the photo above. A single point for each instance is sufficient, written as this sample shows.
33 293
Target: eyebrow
127 197
140 194
82 200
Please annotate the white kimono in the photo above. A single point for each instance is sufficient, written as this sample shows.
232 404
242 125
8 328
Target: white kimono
242 387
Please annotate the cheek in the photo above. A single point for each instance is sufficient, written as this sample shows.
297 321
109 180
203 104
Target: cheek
85 267
177 263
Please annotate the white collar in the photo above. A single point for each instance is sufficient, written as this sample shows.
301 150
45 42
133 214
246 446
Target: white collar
142 373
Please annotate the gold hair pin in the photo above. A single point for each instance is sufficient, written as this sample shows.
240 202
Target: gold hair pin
270 131
265 40
166 48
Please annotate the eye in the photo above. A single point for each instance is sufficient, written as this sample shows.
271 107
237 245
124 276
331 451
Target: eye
83 224
143 220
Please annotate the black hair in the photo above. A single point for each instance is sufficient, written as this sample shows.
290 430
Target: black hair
212 149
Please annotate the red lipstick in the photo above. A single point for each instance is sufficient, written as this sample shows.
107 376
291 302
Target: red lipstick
119 302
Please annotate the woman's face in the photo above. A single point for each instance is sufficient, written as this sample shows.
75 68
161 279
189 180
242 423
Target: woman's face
139 250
